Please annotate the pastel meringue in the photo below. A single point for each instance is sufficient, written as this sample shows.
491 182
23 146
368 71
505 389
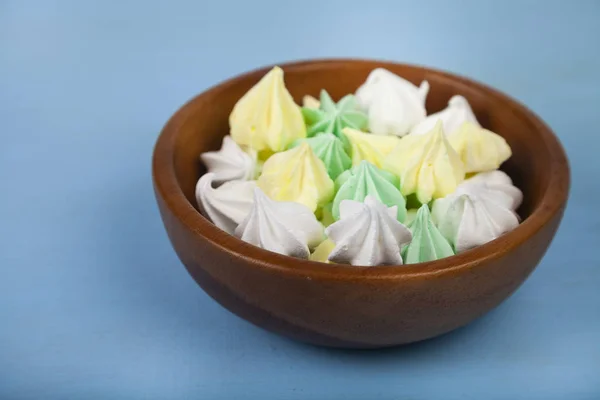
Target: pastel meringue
394 104
266 117
428 244
452 117
480 150
367 180
297 175
322 251
332 117
468 221
330 150
368 147
368 234
310 102
493 185
227 205
287 228
427 165
230 162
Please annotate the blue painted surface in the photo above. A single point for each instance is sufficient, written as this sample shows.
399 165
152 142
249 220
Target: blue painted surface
93 301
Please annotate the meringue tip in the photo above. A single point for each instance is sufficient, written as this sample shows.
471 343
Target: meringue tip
423 212
457 100
276 70
424 88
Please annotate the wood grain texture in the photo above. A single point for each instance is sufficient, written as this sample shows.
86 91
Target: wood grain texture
346 306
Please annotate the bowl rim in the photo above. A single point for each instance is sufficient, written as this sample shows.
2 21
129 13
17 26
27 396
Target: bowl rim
167 187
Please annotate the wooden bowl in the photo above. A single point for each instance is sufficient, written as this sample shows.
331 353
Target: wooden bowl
346 306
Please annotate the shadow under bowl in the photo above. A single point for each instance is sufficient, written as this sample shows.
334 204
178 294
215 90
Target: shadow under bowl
346 306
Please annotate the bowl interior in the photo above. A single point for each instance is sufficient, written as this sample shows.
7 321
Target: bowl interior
206 121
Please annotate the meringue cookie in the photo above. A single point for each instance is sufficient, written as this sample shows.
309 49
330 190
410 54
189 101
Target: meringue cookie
310 102
468 221
266 117
372 148
394 104
366 179
297 175
330 150
332 118
479 149
452 117
282 227
230 162
495 185
227 205
427 165
427 244
322 251
367 234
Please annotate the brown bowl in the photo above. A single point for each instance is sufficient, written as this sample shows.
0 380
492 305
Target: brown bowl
346 306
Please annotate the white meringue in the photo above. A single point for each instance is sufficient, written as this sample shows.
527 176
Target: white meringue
367 234
230 162
227 205
282 227
452 117
468 220
394 104
493 184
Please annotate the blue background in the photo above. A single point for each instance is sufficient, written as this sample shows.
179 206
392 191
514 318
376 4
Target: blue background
95 304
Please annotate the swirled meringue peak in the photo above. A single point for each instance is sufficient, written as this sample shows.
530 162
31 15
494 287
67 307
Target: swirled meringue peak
368 234
468 221
452 117
372 148
479 149
394 104
227 205
495 185
427 165
266 117
287 228
332 117
330 150
428 244
367 180
297 175
230 162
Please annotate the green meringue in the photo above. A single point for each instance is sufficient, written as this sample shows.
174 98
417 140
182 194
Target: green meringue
428 244
332 118
330 150
366 179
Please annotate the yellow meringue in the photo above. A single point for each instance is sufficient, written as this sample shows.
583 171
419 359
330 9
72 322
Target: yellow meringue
297 175
322 251
480 150
266 117
427 165
369 147
309 101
